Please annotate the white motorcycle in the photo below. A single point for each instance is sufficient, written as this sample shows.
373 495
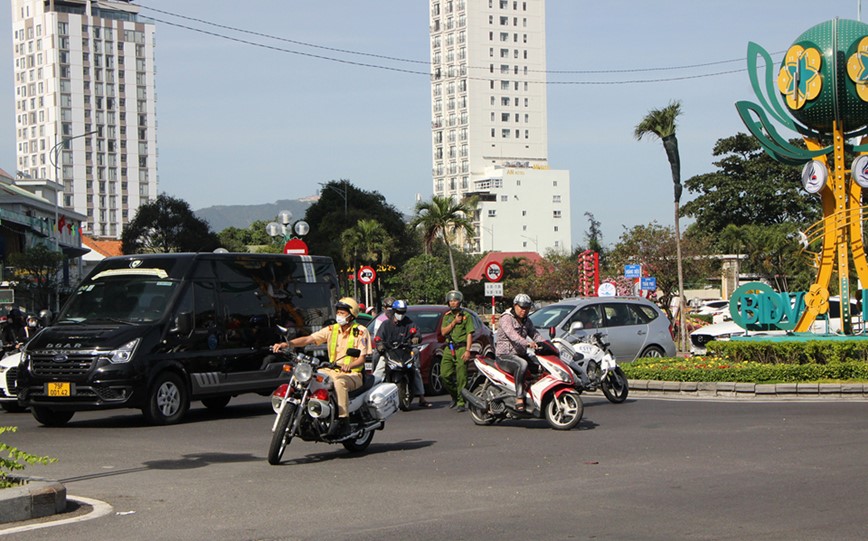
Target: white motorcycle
593 361
307 407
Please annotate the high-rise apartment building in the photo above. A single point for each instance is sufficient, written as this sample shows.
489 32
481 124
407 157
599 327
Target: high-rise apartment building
85 106
489 125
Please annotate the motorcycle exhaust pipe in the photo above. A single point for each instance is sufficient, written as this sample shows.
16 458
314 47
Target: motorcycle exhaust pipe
473 399
318 408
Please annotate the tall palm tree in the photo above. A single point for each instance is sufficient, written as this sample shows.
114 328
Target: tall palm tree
368 239
662 124
444 218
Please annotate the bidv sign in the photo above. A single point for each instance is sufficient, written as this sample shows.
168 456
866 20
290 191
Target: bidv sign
756 306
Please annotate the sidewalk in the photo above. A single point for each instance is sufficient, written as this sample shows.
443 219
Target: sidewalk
730 390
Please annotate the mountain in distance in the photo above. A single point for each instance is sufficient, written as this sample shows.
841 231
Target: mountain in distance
219 217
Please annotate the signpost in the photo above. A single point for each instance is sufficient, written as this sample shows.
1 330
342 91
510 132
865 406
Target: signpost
648 283
367 275
632 271
493 273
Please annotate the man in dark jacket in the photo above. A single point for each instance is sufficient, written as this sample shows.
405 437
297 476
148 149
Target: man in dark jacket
399 329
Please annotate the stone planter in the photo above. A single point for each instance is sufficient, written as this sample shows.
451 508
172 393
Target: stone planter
36 498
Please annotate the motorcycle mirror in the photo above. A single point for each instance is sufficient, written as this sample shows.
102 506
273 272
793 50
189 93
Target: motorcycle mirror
576 326
413 330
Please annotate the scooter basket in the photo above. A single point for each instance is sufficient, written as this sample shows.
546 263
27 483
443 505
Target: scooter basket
383 401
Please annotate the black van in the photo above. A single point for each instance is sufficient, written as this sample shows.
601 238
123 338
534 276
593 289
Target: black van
157 331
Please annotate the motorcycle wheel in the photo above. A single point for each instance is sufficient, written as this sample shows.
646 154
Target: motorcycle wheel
480 417
359 444
405 395
565 411
280 439
615 386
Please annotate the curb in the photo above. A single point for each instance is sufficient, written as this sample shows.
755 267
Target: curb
35 499
734 390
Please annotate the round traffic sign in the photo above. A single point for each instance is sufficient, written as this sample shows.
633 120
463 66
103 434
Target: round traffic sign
367 275
295 246
607 289
494 271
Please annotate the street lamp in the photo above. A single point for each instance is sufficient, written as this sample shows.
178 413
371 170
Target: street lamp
282 228
52 155
490 230
534 239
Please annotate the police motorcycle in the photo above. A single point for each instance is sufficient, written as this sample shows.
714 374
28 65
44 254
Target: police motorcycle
593 361
552 391
401 359
306 407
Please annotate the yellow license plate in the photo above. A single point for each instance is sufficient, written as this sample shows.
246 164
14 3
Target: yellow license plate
58 388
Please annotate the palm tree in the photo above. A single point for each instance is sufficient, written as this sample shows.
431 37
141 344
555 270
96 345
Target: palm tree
661 123
444 218
368 239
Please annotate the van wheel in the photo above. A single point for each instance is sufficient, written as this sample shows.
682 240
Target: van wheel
50 417
435 384
168 401
216 403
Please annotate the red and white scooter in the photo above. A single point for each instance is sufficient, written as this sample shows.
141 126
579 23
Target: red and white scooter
550 391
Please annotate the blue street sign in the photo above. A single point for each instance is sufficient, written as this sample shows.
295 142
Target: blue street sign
632 271
648 283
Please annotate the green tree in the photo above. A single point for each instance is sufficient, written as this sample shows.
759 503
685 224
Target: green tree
424 279
748 187
774 253
369 241
331 215
37 271
167 225
444 218
654 247
662 124
252 238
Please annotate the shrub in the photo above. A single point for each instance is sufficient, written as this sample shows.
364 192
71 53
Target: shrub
715 368
16 460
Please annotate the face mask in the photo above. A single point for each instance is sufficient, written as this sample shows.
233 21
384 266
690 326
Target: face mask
31 323
399 317
341 320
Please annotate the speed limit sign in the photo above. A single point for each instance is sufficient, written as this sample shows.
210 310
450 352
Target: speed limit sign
367 275
493 271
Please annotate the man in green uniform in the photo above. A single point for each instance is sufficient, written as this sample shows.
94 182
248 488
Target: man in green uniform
457 328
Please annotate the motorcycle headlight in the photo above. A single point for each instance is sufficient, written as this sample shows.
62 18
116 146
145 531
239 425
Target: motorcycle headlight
124 353
303 372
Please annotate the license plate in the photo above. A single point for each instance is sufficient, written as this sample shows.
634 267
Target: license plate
58 388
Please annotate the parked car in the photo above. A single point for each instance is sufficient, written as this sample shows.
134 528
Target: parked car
700 338
428 318
636 327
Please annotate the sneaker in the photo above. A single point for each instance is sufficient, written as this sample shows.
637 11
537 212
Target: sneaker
461 409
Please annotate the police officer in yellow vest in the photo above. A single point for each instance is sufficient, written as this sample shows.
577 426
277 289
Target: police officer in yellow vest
341 336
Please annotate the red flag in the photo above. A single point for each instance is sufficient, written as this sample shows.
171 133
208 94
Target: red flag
61 223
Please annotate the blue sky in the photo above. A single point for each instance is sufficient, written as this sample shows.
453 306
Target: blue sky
240 124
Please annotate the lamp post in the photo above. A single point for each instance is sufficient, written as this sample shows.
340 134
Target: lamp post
282 228
490 230
52 155
534 239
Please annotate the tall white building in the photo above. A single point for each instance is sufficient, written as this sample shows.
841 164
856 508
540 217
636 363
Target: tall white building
85 106
489 126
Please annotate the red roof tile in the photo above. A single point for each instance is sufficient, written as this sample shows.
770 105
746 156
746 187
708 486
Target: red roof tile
478 270
106 247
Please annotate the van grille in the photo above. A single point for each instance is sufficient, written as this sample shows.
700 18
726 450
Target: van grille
77 364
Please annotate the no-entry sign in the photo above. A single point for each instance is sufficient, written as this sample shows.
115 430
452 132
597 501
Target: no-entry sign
493 272
367 275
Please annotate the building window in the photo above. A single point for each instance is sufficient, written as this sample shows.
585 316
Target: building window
556 199
492 213
556 214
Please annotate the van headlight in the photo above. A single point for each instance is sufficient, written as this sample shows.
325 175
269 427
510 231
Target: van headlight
124 353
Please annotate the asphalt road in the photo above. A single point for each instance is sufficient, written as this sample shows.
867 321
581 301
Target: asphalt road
645 469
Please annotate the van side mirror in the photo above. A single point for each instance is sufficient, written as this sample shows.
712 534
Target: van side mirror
576 326
184 323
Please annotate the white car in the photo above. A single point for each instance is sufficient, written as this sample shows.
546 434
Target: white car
8 383
727 329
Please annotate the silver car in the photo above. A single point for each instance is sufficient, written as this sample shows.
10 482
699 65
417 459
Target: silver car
636 327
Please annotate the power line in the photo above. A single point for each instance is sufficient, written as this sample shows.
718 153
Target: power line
428 63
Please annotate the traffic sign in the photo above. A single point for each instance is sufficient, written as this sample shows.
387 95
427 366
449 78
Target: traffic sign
493 289
295 247
494 271
649 283
367 275
632 271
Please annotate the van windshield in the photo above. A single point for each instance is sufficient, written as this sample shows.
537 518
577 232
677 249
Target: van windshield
120 298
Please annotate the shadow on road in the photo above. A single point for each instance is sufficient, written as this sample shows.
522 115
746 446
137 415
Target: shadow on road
195 415
375 448
186 462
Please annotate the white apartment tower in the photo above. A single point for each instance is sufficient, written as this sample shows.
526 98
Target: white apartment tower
86 107
489 127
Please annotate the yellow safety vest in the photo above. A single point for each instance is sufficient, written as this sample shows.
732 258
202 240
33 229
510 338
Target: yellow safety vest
333 345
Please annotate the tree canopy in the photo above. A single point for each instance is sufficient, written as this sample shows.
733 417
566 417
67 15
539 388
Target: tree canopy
444 218
167 225
749 187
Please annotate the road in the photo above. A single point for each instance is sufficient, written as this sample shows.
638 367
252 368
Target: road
645 469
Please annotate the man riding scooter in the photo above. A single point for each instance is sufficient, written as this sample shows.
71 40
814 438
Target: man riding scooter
399 331
515 334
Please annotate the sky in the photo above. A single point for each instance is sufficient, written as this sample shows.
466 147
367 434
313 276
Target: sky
245 124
